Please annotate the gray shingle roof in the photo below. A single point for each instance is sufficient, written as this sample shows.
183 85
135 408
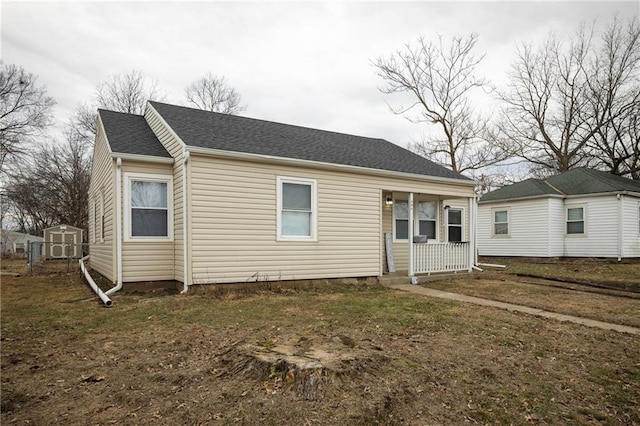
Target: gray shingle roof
580 181
206 129
130 134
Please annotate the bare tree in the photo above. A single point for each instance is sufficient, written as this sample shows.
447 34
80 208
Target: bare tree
212 93
615 97
51 187
441 79
561 99
125 92
25 110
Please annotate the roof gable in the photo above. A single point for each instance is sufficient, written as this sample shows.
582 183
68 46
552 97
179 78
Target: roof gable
130 134
204 129
580 181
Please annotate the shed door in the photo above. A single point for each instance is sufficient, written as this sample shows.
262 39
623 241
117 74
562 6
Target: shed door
60 248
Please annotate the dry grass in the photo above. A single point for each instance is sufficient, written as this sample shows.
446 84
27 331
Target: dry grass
169 359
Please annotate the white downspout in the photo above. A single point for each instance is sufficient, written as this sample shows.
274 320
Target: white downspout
185 220
472 230
410 235
119 214
620 220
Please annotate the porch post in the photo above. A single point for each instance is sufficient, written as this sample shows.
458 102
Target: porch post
410 234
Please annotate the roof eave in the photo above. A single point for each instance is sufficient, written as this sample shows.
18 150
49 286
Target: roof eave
142 158
604 194
531 197
323 165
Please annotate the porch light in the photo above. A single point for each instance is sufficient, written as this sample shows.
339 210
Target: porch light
389 200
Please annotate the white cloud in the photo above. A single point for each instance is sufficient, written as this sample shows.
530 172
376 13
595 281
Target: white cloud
300 63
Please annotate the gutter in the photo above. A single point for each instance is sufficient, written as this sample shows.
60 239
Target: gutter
620 231
185 224
118 228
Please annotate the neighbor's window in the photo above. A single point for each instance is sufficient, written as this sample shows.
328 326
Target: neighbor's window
500 222
575 220
297 212
427 217
454 225
149 206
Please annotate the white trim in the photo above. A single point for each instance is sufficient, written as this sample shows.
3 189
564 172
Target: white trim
584 220
102 216
495 210
410 235
129 177
185 223
143 158
462 221
323 165
313 183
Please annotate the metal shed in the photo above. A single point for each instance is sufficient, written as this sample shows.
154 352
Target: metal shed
63 241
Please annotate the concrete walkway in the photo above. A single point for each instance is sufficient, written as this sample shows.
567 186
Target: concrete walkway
514 308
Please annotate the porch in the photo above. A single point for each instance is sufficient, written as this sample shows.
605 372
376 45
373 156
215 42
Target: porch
428 233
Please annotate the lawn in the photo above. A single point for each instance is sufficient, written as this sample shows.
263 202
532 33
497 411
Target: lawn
386 357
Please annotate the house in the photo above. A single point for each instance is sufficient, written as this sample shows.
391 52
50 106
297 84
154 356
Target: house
198 197
579 213
16 242
63 241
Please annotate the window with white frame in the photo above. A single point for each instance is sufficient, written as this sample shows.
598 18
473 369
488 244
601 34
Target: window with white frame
501 222
102 215
575 220
96 230
148 199
297 209
425 219
401 220
454 225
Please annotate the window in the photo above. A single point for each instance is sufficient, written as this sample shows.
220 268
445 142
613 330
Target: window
297 215
575 220
427 217
102 215
95 220
401 219
500 223
454 225
148 200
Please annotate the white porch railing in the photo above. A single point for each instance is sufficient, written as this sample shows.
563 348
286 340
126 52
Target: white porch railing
440 257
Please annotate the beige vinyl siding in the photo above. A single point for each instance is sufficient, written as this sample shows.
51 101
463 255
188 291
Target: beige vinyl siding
528 224
601 228
233 230
175 147
102 179
141 260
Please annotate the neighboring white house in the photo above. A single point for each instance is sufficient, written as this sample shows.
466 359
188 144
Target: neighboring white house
200 197
579 213
17 242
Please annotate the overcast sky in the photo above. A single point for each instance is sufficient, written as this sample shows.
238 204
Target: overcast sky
303 63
